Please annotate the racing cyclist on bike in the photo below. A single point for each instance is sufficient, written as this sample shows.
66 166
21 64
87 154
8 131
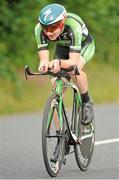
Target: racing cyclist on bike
75 46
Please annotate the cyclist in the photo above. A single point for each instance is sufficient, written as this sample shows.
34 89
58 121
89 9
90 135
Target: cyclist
75 46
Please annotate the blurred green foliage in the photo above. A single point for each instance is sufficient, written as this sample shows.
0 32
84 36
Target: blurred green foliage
18 47
18 19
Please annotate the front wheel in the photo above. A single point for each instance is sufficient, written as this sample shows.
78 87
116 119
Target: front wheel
52 138
84 150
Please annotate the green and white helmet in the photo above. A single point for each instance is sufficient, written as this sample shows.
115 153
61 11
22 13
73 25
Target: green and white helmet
52 14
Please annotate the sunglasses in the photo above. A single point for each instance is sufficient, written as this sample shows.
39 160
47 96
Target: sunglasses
53 27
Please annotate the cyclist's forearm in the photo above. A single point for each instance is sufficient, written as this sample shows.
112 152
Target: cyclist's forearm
43 56
72 61
67 63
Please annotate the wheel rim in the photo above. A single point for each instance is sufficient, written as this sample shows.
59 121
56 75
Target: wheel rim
85 149
51 139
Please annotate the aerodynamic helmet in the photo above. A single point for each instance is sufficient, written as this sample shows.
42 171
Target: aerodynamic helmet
52 17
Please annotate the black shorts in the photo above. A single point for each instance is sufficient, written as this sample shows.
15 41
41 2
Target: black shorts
87 50
61 52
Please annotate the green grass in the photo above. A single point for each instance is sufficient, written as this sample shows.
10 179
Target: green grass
103 83
31 95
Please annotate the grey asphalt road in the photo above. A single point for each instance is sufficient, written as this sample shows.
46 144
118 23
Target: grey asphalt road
21 151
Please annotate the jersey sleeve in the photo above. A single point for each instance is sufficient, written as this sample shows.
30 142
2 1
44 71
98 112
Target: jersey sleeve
40 38
75 35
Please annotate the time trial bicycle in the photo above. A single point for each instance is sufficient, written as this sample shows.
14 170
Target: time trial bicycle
56 143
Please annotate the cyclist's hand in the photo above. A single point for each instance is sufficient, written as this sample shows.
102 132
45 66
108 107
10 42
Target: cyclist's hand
43 68
54 65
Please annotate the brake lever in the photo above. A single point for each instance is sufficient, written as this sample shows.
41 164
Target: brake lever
27 71
26 67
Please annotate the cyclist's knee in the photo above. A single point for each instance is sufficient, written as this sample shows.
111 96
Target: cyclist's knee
81 63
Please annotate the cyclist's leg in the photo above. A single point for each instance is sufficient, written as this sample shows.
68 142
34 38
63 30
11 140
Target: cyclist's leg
88 51
86 55
82 82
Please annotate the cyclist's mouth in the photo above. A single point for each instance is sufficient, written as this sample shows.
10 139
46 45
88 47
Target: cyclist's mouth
52 37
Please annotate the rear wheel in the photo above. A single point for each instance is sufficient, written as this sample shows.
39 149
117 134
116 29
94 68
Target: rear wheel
52 138
84 150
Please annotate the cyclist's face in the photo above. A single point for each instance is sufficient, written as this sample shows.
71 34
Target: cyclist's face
54 30
53 35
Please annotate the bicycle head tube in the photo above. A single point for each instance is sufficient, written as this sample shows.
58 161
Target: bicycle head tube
59 86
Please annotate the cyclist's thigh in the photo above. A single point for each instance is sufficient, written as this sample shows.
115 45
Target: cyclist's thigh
88 51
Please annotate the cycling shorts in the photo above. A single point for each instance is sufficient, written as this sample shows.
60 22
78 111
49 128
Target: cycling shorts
87 51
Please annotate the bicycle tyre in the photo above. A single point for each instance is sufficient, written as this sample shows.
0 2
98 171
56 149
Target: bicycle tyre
84 151
51 167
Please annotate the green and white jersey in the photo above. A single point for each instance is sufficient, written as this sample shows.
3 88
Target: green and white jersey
75 34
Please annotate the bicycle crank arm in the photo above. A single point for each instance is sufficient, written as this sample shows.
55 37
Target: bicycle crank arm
73 139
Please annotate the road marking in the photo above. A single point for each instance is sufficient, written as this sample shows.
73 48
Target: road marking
106 141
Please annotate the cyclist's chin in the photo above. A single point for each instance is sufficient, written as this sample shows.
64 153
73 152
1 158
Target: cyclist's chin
52 38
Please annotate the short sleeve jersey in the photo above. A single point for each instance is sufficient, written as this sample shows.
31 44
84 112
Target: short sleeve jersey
74 34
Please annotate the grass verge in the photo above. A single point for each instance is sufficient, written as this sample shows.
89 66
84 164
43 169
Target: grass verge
31 95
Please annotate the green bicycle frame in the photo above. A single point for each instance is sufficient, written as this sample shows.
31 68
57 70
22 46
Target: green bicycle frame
58 91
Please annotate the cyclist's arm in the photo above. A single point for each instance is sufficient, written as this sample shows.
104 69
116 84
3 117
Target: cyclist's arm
75 35
44 60
43 56
73 60
42 45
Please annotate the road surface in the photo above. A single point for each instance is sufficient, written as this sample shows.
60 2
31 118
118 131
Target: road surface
21 152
